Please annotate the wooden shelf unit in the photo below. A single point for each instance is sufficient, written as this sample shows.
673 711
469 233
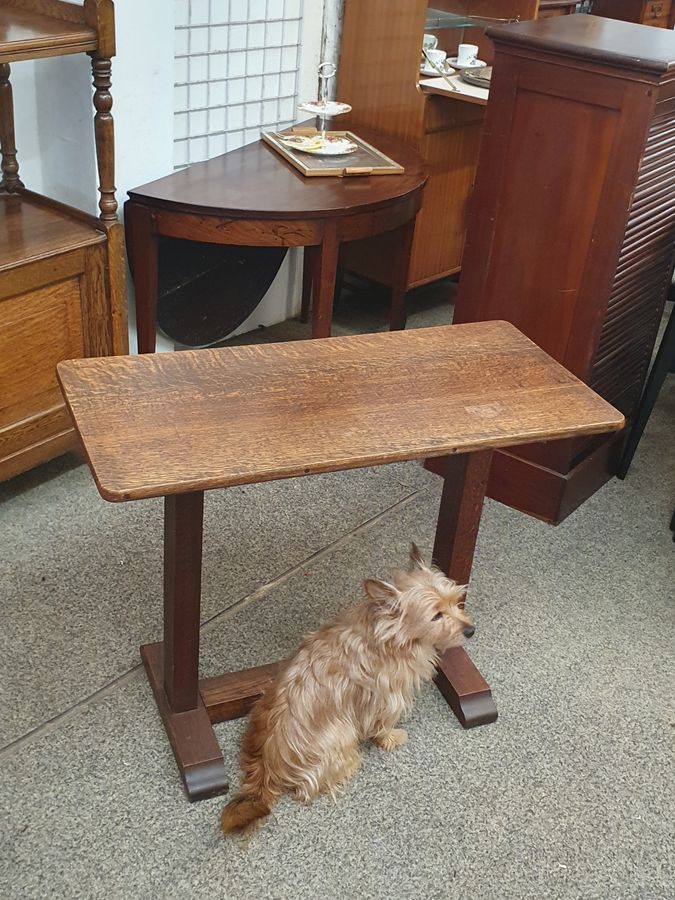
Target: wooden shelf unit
62 277
378 75
658 13
29 34
549 9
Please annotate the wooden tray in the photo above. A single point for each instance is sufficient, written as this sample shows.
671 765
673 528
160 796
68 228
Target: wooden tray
367 160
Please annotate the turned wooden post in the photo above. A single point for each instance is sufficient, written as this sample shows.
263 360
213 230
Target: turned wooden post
10 166
105 137
100 15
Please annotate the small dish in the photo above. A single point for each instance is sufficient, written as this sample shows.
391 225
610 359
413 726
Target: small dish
325 108
320 145
474 64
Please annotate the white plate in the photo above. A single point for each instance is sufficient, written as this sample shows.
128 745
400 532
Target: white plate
329 108
476 64
320 146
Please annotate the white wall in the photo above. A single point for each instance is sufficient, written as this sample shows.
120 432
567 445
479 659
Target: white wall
54 122
143 103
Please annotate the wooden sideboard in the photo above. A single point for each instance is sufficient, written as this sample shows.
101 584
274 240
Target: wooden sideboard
378 75
660 13
571 230
62 277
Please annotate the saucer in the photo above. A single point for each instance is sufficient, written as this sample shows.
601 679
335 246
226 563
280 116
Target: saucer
433 73
476 64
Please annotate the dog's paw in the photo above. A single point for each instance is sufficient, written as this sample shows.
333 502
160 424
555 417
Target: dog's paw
389 740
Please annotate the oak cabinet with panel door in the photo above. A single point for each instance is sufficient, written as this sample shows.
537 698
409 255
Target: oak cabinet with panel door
62 276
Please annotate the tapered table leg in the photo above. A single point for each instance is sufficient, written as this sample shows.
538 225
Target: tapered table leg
308 265
457 678
323 282
397 313
173 664
143 253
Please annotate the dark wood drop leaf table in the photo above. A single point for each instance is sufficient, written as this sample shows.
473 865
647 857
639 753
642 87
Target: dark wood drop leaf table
174 425
252 197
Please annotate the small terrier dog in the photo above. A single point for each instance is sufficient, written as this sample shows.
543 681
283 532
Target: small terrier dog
349 682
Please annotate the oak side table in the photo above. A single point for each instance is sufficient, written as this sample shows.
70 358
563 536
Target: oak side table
174 425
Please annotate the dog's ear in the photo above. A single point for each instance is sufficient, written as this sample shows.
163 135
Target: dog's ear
381 591
416 558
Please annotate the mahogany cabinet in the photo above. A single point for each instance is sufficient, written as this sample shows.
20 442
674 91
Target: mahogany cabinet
571 227
62 277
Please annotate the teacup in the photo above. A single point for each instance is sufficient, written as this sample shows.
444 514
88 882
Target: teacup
433 58
467 54
430 42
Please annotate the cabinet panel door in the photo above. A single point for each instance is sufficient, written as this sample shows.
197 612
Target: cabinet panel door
37 330
539 248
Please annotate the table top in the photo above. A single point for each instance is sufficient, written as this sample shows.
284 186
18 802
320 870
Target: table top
170 423
256 182
606 41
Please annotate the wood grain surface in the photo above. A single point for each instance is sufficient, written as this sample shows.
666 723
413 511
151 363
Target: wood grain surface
32 231
607 41
29 34
175 422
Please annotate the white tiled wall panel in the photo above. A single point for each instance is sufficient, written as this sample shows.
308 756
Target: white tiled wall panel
236 73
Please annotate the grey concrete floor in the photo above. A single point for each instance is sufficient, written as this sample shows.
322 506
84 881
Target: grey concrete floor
570 794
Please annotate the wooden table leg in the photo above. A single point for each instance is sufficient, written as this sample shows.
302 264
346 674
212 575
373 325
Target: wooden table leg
457 678
309 262
173 665
401 262
143 253
323 281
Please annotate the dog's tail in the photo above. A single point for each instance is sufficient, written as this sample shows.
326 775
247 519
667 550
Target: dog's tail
258 793
245 811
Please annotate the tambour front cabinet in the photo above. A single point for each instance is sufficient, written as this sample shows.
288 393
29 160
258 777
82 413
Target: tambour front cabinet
571 226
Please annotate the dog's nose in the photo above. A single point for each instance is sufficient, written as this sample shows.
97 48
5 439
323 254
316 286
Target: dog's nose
468 631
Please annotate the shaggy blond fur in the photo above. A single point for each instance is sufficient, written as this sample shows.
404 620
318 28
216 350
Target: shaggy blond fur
349 682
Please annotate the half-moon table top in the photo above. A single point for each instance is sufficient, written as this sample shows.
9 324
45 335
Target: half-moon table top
256 182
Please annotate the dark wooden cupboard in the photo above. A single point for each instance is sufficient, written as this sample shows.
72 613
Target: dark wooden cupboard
571 227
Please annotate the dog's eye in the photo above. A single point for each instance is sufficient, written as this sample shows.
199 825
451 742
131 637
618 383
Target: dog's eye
439 615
